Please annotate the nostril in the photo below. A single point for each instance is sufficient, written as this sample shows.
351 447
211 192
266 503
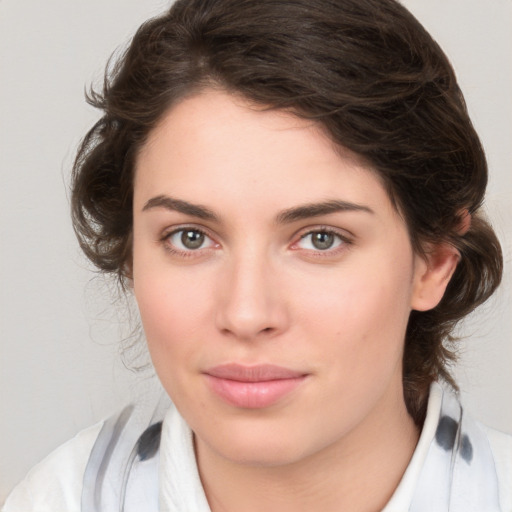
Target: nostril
266 330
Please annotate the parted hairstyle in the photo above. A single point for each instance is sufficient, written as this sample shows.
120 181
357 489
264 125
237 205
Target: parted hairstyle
368 72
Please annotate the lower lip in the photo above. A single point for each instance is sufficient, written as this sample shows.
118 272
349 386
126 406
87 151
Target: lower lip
253 395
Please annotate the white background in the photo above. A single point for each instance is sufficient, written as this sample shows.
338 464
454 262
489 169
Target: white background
60 368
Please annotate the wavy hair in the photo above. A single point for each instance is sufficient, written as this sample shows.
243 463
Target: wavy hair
368 72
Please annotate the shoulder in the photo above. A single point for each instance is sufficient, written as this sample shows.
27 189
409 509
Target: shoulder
458 463
55 483
501 447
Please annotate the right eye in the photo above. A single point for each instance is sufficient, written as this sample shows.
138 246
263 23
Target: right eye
186 240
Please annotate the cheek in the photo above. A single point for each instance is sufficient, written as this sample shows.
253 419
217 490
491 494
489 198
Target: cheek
360 316
172 307
172 321
367 298
168 309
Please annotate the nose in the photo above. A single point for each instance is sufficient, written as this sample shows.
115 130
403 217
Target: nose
251 303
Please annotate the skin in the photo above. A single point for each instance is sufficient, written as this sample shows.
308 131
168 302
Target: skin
256 290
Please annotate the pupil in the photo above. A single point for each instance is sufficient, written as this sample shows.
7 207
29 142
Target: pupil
323 240
192 239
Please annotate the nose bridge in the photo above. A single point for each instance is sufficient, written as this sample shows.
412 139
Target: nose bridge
250 303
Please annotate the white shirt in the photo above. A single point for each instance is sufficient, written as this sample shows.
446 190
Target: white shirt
56 484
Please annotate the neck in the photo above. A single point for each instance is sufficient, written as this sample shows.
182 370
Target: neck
359 473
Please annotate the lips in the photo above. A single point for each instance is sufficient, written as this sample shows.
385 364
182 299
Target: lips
253 387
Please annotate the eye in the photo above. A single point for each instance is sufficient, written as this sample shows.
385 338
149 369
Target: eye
320 240
188 239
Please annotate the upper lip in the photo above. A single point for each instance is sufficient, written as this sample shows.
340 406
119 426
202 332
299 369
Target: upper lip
254 373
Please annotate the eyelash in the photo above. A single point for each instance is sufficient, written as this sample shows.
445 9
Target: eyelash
343 244
344 241
190 253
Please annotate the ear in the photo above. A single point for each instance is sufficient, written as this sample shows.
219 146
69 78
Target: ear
432 273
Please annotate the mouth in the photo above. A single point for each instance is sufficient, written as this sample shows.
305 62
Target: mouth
253 387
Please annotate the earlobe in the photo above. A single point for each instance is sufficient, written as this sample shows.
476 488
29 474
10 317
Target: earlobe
432 273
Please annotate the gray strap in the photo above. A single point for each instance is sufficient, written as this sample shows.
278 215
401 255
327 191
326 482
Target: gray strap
122 472
459 473
99 460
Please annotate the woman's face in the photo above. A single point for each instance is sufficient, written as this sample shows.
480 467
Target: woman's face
274 280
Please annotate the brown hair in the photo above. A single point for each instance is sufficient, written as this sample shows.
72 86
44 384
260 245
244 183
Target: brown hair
368 72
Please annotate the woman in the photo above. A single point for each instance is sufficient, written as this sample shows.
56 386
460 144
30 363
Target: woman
291 189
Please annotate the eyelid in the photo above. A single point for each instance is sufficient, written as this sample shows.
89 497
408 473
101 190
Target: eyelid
346 237
169 232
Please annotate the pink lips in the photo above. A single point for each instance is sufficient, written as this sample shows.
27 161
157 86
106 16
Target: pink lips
253 387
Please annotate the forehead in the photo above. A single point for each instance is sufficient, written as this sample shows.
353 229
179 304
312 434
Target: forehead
215 143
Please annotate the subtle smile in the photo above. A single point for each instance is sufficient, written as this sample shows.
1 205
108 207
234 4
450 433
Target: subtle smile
253 387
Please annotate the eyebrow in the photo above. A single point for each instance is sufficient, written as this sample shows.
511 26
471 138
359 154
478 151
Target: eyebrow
285 217
169 203
318 209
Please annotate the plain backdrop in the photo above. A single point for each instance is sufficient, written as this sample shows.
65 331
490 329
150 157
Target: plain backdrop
60 368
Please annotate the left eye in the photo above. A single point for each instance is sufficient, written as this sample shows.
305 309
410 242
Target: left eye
189 239
320 241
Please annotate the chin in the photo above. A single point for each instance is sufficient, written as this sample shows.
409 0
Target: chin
265 454
262 443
